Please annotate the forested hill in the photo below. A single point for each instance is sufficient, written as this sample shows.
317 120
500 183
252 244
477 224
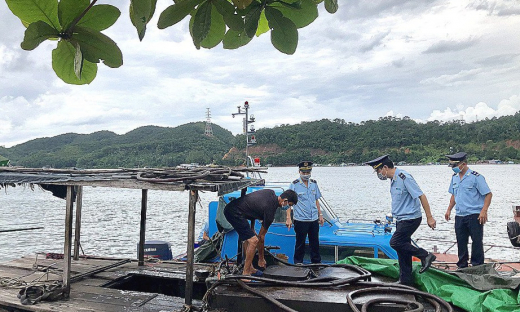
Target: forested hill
145 146
324 141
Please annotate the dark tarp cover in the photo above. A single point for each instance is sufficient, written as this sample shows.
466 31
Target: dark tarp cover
450 287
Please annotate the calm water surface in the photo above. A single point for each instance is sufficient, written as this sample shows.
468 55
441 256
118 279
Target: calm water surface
111 217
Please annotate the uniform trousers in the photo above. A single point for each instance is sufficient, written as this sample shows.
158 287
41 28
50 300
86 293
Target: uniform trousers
466 227
401 242
302 230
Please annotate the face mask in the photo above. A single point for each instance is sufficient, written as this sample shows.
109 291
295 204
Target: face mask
381 176
456 169
284 208
305 176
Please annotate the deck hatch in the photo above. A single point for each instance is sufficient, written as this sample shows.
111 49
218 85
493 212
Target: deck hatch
156 284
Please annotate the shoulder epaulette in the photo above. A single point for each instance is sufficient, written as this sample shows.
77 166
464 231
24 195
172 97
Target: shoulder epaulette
313 181
475 173
402 176
295 181
455 174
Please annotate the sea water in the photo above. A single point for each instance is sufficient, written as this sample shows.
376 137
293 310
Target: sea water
110 217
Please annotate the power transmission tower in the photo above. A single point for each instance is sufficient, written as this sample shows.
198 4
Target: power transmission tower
208 131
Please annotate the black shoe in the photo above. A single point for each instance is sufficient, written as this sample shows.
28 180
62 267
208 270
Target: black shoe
410 284
427 262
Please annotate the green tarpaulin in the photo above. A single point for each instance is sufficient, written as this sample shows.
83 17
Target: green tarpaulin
452 288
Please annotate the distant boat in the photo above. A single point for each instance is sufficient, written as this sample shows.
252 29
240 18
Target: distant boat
4 162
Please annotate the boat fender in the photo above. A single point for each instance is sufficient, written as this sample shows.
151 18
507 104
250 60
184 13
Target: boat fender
475 173
402 176
513 231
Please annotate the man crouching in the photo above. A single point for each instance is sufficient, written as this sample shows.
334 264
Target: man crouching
259 205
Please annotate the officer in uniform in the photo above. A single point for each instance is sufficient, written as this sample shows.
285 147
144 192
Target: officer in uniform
471 197
407 199
306 213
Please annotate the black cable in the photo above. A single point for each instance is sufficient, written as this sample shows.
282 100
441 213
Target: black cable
393 291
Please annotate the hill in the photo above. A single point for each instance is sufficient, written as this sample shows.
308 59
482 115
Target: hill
150 146
323 141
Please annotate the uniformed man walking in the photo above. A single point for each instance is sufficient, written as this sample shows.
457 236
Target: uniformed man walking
306 213
471 197
407 199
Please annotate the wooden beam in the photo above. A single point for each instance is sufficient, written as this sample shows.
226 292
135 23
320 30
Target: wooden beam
77 229
68 243
142 236
194 196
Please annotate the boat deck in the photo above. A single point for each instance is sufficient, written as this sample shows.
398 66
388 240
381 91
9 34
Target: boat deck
90 293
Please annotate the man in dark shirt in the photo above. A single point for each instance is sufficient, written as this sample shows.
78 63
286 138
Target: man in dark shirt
259 205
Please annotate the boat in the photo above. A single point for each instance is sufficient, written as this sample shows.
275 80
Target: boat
338 239
4 162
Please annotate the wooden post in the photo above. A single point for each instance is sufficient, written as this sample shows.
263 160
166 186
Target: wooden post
68 243
142 236
194 196
79 205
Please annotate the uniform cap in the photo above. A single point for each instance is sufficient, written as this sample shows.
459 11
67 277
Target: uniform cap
460 156
305 165
375 163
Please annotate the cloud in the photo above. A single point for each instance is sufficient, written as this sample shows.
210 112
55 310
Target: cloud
478 112
375 41
499 8
448 46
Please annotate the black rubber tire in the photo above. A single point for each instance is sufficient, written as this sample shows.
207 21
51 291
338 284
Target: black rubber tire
513 230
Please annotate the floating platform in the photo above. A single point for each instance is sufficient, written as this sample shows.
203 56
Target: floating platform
126 286
110 285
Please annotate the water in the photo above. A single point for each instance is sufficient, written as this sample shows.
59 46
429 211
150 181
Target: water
111 217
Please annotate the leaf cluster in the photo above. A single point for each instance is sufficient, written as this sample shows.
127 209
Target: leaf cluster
77 26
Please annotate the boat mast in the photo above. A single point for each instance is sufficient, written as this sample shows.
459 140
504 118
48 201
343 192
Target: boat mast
249 132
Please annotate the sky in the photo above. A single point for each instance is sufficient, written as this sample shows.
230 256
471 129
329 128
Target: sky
425 59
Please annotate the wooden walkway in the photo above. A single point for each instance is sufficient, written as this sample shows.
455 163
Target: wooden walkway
89 294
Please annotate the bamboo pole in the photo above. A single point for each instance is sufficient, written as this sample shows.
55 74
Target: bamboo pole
142 236
68 243
194 196
79 205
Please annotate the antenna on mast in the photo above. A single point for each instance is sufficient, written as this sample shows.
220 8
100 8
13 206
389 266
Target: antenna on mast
248 131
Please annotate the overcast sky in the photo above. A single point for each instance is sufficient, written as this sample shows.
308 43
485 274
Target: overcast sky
426 59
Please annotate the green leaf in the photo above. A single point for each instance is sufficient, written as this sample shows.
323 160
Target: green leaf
331 6
227 10
37 33
217 30
235 39
141 12
30 11
95 47
201 23
176 12
100 17
78 61
63 60
68 10
284 35
263 25
301 17
252 18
